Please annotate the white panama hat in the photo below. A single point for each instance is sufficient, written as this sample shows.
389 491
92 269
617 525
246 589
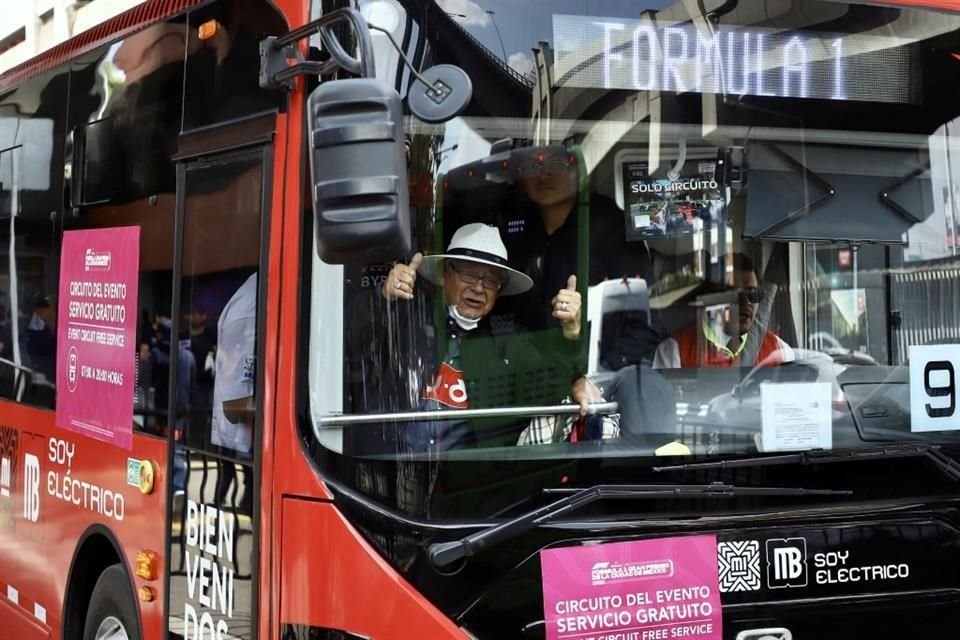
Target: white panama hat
481 243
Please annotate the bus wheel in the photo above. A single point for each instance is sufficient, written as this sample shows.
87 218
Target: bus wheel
112 614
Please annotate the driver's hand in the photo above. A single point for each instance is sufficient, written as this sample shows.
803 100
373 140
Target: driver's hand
401 279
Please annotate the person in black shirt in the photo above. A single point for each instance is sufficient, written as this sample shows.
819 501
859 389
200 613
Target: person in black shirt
6 338
552 244
203 345
42 338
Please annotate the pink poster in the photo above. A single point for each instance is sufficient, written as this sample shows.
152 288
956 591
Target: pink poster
97 333
643 590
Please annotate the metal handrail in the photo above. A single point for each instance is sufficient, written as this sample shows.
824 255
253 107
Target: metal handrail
600 408
14 365
23 378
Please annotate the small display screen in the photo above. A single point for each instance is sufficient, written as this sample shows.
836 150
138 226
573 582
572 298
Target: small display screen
671 208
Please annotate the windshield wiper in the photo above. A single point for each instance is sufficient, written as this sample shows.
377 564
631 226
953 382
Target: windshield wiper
443 554
945 463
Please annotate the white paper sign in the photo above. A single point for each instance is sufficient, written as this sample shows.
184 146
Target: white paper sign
933 387
796 416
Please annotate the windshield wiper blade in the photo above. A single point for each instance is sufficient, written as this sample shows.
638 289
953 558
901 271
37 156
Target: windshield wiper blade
713 489
443 554
826 456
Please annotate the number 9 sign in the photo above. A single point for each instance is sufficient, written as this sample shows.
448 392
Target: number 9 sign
933 388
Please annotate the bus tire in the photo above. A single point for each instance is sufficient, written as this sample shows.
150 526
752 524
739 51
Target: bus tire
112 607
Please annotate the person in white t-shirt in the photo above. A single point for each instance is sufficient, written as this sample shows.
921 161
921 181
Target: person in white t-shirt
233 388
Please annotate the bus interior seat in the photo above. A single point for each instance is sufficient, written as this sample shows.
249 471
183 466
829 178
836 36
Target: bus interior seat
627 334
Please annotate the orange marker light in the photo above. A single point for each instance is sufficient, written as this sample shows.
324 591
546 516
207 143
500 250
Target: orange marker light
208 29
146 565
147 479
147 594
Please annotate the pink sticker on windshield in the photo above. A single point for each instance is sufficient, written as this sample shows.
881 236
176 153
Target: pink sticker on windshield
97 332
642 590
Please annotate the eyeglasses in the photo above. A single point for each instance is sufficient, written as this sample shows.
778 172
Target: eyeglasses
472 277
752 294
554 167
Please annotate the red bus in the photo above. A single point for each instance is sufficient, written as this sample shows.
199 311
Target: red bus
345 320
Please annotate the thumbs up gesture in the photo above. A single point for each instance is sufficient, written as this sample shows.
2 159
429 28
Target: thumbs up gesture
401 279
566 308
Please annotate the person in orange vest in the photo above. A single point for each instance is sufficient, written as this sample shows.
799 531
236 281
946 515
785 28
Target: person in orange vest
706 345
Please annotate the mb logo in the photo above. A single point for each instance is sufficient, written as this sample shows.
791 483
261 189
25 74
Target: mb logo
31 487
786 563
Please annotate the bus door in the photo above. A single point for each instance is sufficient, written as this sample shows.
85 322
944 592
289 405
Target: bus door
215 401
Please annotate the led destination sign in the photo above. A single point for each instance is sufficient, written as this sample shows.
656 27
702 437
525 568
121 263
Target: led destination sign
612 53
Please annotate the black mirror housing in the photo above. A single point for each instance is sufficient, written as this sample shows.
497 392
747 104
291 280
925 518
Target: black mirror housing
358 172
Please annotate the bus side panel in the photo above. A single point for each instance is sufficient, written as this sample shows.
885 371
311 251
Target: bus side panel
332 579
20 624
60 485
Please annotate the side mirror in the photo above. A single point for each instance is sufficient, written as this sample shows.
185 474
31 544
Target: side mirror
358 156
444 91
358 172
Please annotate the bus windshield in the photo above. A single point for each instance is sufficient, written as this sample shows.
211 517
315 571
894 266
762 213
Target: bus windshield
656 232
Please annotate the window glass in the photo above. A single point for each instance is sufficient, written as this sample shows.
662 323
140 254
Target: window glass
126 110
686 221
124 114
31 197
222 70
28 334
215 395
219 304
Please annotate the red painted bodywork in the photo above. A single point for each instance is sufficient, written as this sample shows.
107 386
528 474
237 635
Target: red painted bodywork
35 558
20 624
950 5
320 588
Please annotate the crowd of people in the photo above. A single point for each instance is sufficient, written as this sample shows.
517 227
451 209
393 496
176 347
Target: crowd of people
28 351
213 402
214 358
35 337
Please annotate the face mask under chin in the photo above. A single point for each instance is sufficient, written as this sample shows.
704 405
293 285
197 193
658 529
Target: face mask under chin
465 323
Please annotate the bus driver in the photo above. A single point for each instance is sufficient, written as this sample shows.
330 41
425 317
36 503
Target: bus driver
708 346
